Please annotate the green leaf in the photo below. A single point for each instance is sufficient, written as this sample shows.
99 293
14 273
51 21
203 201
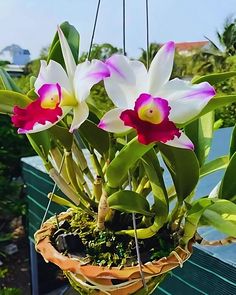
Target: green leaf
117 170
154 174
222 216
214 165
193 217
228 183
96 137
215 212
130 202
214 78
201 132
9 99
233 142
8 82
62 135
41 143
73 40
183 167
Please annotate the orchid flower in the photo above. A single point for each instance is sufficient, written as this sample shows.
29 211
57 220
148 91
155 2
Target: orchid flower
148 102
59 92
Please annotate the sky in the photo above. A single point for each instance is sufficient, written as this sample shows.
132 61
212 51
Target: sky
32 23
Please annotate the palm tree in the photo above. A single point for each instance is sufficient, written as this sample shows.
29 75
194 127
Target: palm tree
228 37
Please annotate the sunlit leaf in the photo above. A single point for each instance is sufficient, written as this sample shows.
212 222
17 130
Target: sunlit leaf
200 132
215 212
233 142
9 99
73 40
228 183
214 165
183 167
222 216
117 170
214 78
130 202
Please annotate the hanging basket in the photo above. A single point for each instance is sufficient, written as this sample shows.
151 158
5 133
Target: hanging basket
93 279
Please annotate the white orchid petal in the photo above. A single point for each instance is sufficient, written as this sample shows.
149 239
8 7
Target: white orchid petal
51 74
141 76
128 79
120 69
81 112
111 121
119 93
67 54
182 142
88 74
161 67
186 100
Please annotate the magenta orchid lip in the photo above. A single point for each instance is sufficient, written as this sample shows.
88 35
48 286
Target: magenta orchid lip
150 119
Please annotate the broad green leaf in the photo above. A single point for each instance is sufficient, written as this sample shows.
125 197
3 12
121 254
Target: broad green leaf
73 40
130 202
222 216
228 183
118 169
8 82
9 99
214 165
154 174
62 135
200 132
193 217
214 78
41 143
233 142
183 167
96 137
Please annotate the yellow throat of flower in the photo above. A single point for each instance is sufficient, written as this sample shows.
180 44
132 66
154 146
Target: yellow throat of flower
150 113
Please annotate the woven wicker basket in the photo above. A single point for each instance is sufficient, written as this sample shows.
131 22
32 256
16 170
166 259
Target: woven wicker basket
92 279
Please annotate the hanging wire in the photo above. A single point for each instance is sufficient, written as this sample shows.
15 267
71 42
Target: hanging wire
147 35
94 28
124 27
135 235
53 191
129 176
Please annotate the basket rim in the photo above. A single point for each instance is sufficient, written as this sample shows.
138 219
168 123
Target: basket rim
44 246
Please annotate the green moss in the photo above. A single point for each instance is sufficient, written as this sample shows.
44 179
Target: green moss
105 248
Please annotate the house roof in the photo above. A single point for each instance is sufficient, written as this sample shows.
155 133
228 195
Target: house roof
188 46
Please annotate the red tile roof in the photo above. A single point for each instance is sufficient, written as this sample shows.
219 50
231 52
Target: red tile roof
188 46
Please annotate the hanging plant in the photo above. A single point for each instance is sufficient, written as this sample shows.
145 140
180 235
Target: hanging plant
119 235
